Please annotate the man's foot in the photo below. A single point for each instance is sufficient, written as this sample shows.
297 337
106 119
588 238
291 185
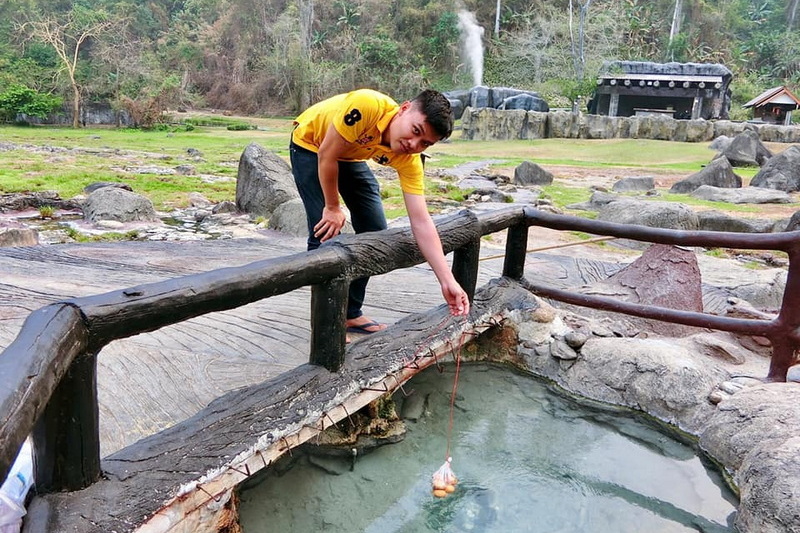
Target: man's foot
363 325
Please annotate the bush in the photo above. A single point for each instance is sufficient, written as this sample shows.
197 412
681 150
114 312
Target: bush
19 99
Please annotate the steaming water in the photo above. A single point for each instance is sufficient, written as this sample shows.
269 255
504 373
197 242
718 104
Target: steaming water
528 460
471 44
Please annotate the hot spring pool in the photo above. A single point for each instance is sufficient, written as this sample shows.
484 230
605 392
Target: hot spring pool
528 460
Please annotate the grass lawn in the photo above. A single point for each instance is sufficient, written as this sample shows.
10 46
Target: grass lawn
66 160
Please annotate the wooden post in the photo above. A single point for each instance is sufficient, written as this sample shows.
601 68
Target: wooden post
328 314
465 266
66 439
516 250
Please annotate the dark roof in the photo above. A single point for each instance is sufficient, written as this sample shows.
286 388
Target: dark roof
627 69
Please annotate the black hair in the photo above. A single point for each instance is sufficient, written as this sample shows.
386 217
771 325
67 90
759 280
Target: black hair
436 108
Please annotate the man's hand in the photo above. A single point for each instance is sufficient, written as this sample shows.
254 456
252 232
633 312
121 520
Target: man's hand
456 298
330 224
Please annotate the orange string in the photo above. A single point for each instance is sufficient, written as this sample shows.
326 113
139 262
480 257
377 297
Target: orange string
453 400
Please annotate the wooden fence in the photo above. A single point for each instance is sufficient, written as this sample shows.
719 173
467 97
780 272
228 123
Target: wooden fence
48 373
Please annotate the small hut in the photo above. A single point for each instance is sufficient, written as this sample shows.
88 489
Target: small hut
677 90
774 106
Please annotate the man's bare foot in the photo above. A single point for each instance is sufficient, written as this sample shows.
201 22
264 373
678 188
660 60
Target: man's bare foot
363 325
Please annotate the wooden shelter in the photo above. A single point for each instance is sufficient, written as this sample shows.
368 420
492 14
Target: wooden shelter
774 106
677 90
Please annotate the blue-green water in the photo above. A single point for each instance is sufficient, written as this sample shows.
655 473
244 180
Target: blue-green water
528 460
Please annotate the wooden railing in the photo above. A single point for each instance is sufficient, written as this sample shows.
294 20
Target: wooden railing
48 373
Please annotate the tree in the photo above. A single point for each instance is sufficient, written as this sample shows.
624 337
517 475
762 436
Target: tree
578 55
66 34
675 28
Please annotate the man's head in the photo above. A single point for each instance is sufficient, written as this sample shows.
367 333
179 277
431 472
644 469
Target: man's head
420 123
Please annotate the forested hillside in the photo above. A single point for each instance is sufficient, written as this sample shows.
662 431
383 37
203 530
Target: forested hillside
277 56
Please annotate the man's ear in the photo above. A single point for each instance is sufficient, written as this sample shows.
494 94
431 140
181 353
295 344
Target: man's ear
405 106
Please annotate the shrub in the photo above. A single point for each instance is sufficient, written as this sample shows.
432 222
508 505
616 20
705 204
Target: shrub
19 99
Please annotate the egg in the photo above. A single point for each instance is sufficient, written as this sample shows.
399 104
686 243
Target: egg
450 489
440 493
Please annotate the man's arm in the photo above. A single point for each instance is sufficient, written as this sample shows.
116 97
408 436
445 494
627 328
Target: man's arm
431 247
333 217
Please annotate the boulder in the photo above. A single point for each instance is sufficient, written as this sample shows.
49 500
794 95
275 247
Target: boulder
742 195
16 234
528 102
650 213
718 173
114 203
720 143
781 172
290 217
663 276
100 184
634 184
746 150
528 173
264 181
719 221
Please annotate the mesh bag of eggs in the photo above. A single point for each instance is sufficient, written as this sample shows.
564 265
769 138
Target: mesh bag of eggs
444 480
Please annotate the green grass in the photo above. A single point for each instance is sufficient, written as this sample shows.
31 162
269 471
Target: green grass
84 156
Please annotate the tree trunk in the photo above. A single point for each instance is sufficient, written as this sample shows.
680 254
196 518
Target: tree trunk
76 105
791 14
497 21
675 29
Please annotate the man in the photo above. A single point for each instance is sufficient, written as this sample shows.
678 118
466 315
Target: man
330 145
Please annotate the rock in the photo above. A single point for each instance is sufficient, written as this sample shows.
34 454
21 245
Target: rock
290 218
113 203
720 143
781 172
198 200
16 234
746 150
528 173
743 195
575 340
663 276
793 374
264 181
224 207
794 222
100 184
714 346
643 184
654 214
414 406
718 173
719 221
334 466
186 170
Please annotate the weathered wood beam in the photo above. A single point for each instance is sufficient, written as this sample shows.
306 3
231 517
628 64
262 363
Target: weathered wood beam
516 251
119 314
465 266
66 437
328 315
31 368
784 241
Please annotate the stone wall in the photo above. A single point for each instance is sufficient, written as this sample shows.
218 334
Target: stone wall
483 124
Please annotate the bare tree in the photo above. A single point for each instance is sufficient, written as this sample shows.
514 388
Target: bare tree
791 14
66 34
497 21
675 29
577 45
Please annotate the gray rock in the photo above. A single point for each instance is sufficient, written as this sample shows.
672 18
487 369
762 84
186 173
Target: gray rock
528 173
638 183
793 374
743 195
100 184
781 172
654 214
264 181
224 207
746 150
17 234
718 173
113 203
720 143
719 221
290 218
414 406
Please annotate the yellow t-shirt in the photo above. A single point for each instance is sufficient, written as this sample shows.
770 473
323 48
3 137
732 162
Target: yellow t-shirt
360 117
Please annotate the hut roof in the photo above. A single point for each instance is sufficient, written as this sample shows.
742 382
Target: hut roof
776 95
